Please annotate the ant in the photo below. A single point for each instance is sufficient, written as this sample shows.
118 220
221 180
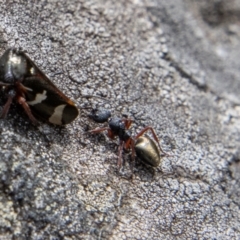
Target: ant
144 147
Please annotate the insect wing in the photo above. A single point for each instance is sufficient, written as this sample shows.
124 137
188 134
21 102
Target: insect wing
44 98
47 104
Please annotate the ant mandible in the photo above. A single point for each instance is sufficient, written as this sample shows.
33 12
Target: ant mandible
142 146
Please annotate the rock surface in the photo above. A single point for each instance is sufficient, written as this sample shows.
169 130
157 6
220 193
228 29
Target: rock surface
173 65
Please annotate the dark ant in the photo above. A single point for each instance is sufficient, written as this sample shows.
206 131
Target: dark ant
144 147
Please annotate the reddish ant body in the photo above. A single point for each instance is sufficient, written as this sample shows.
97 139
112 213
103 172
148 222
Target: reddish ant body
144 147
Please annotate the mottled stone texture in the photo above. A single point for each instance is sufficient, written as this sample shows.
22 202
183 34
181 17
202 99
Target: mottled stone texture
171 64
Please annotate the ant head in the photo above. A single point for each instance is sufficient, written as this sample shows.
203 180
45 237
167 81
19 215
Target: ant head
100 115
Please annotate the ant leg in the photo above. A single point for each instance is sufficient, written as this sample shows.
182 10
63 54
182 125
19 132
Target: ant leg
2 84
133 155
98 130
127 122
110 134
22 101
154 136
131 143
120 159
11 95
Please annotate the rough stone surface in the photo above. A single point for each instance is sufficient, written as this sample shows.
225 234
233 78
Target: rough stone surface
171 64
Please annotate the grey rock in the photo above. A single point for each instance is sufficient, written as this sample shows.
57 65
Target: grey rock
173 65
